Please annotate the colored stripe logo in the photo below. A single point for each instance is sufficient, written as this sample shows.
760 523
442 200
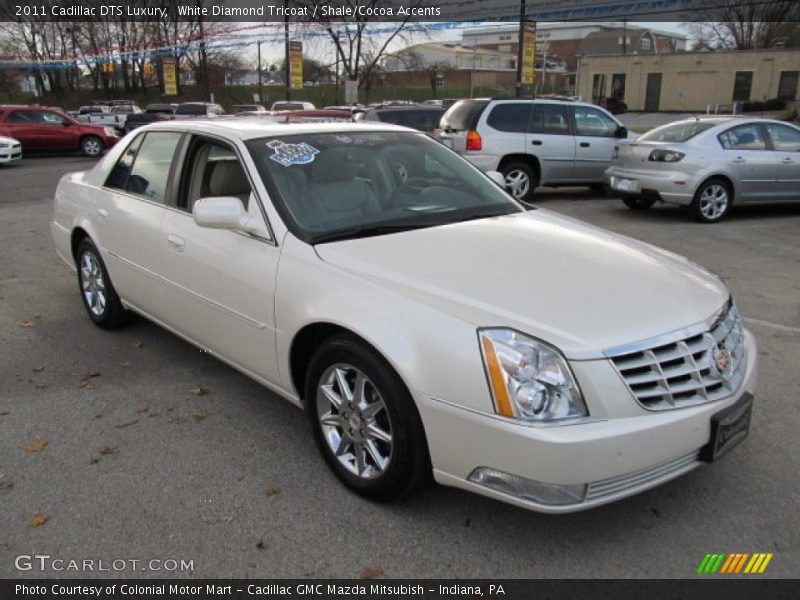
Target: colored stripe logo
734 563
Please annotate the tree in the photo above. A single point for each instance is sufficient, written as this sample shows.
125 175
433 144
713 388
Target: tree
746 24
435 71
313 70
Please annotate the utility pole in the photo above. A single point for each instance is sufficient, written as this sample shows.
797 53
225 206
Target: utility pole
624 36
336 85
472 73
286 43
72 30
520 43
260 82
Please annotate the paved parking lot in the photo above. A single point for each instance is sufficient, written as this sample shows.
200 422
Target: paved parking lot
155 450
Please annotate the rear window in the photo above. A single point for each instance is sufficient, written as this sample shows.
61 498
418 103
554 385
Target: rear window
463 115
288 106
677 132
190 109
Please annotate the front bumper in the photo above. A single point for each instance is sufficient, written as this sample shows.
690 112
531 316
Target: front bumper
10 154
661 184
614 455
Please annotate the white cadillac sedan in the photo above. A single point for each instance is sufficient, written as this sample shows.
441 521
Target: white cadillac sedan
10 150
427 323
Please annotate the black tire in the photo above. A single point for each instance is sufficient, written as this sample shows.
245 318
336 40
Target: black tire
408 466
112 314
638 202
712 201
92 146
600 188
511 170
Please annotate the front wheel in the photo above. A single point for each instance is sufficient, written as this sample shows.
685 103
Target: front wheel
520 180
365 422
638 203
99 297
92 146
712 201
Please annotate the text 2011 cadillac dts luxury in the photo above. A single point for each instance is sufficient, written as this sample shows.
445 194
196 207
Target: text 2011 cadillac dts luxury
428 324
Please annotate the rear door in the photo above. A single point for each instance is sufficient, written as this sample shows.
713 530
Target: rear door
550 140
752 161
595 138
786 144
24 126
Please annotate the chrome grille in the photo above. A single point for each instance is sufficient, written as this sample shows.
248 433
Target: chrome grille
643 478
684 372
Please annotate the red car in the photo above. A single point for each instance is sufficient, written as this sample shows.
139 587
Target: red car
44 128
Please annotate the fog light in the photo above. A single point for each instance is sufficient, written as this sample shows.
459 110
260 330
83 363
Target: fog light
528 489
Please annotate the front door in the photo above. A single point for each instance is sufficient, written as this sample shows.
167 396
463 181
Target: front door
786 143
652 98
595 138
220 284
752 161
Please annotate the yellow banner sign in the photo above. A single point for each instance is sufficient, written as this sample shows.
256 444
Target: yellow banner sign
296 65
529 53
170 77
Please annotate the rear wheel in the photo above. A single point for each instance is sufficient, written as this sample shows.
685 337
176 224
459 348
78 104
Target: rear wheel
712 201
99 297
638 202
365 422
92 146
520 180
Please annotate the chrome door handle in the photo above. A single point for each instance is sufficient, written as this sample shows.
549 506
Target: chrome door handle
102 212
176 242
738 160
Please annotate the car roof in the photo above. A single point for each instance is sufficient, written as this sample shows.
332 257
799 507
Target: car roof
247 129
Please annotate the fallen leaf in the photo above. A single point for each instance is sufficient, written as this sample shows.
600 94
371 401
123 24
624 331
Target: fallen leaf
371 572
273 491
136 344
128 424
142 411
197 418
5 483
28 324
94 461
37 520
198 391
42 386
87 385
4 413
36 445
90 374
108 449
38 368
260 545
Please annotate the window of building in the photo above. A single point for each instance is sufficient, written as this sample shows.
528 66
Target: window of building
787 88
645 43
598 88
618 86
742 84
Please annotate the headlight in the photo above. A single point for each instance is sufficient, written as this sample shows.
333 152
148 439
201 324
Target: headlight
529 379
110 131
666 155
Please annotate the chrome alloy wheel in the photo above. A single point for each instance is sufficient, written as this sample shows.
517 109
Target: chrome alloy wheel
92 147
354 420
93 285
714 201
518 183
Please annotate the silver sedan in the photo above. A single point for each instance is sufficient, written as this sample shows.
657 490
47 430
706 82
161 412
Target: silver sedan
708 164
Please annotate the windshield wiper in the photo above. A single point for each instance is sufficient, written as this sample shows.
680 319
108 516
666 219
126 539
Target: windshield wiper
369 230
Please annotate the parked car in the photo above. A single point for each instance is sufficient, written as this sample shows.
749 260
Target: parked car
534 142
101 114
428 324
10 150
239 108
194 110
151 113
292 105
710 164
40 128
300 116
443 102
417 116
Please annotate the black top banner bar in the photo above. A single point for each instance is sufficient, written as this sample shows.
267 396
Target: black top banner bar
343 11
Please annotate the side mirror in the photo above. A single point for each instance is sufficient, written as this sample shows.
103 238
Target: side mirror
621 132
223 212
497 177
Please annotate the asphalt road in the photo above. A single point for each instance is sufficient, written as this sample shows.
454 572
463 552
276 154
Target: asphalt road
137 466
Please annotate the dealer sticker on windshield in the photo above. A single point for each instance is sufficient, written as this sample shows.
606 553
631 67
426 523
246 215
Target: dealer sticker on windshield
292 154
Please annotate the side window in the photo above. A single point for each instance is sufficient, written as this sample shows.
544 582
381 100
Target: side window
590 121
784 138
743 137
212 169
549 118
150 172
22 117
118 178
510 117
424 120
390 116
50 118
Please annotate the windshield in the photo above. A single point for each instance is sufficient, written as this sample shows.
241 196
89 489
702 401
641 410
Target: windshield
677 132
342 185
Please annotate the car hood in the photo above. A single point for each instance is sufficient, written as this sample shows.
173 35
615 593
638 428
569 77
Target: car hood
578 287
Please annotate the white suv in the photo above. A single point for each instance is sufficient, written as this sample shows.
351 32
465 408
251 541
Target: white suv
534 142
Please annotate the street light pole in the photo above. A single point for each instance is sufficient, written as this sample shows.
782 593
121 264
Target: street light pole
520 43
286 43
336 86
